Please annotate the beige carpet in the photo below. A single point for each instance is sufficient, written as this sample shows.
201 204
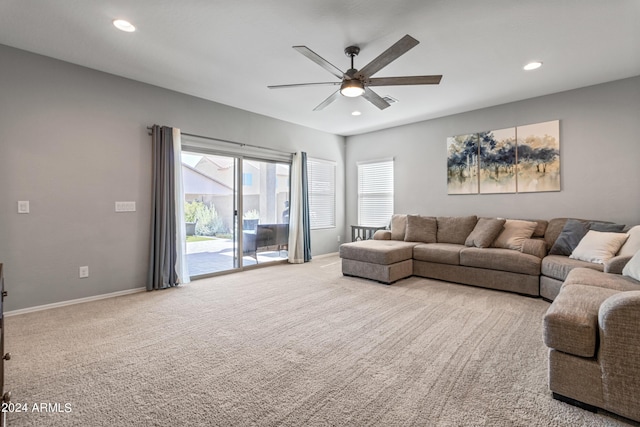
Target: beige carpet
291 345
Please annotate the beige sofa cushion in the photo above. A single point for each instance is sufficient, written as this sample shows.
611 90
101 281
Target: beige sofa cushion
559 266
571 322
514 234
441 253
455 229
500 259
535 246
587 277
382 235
554 228
541 227
398 226
421 229
485 232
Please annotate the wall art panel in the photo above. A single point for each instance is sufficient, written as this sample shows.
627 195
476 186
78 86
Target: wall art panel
462 164
498 161
539 157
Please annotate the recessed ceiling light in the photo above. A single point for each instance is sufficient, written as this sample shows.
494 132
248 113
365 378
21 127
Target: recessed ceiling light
356 113
123 25
532 66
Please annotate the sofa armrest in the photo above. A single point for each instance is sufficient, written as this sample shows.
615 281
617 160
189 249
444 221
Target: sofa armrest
618 319
382 235
535 247
616 264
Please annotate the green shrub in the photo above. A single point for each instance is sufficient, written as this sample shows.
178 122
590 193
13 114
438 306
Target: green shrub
208 221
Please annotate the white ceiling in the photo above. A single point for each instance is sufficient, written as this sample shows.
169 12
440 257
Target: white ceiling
229 51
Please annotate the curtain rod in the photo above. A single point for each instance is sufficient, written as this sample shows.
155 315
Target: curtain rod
241 144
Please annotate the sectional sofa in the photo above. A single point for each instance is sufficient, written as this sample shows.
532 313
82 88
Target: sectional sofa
592 327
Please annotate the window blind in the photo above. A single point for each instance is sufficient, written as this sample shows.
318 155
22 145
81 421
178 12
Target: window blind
375 193
322 193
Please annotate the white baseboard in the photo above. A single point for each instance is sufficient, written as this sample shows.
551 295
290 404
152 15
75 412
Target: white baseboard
72 302
324 255
99 297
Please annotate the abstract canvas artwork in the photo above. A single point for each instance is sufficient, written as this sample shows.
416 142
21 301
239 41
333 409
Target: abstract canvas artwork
539 157
520 159
462 164
498 161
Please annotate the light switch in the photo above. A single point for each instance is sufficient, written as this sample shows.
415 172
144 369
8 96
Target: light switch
125 206
23 206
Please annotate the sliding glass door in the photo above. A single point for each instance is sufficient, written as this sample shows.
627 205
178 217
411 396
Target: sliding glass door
236 212
265 207
210 205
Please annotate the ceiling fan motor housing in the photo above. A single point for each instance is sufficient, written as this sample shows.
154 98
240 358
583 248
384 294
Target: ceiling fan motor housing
352 51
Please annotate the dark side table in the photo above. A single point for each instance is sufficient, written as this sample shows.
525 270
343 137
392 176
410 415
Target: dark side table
361 232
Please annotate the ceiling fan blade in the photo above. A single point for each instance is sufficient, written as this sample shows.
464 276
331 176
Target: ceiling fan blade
320 61
406 80
374 98
304 85
328 101
386 57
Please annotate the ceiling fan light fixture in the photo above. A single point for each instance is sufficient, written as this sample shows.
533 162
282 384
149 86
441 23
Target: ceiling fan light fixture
352 88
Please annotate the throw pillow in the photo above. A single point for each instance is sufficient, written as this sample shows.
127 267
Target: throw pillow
485 232
598 246
572 232
514 234
421 229
632 245
398 226
605 226
455 229
541 227
632 269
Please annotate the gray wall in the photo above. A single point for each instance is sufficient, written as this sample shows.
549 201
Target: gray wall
72 142
599 145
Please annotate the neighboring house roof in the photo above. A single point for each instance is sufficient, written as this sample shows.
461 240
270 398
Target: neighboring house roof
220 169
207 163
196 182
220 162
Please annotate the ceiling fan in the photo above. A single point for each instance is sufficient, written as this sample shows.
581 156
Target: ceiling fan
356 82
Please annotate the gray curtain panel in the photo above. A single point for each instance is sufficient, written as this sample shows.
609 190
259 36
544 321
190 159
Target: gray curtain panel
163 256
306 223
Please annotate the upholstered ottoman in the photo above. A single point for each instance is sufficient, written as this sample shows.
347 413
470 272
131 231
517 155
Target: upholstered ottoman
385 261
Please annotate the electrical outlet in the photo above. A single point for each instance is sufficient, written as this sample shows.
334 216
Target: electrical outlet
84 272
338 238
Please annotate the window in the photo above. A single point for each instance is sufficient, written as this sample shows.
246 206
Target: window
322 193
375 193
